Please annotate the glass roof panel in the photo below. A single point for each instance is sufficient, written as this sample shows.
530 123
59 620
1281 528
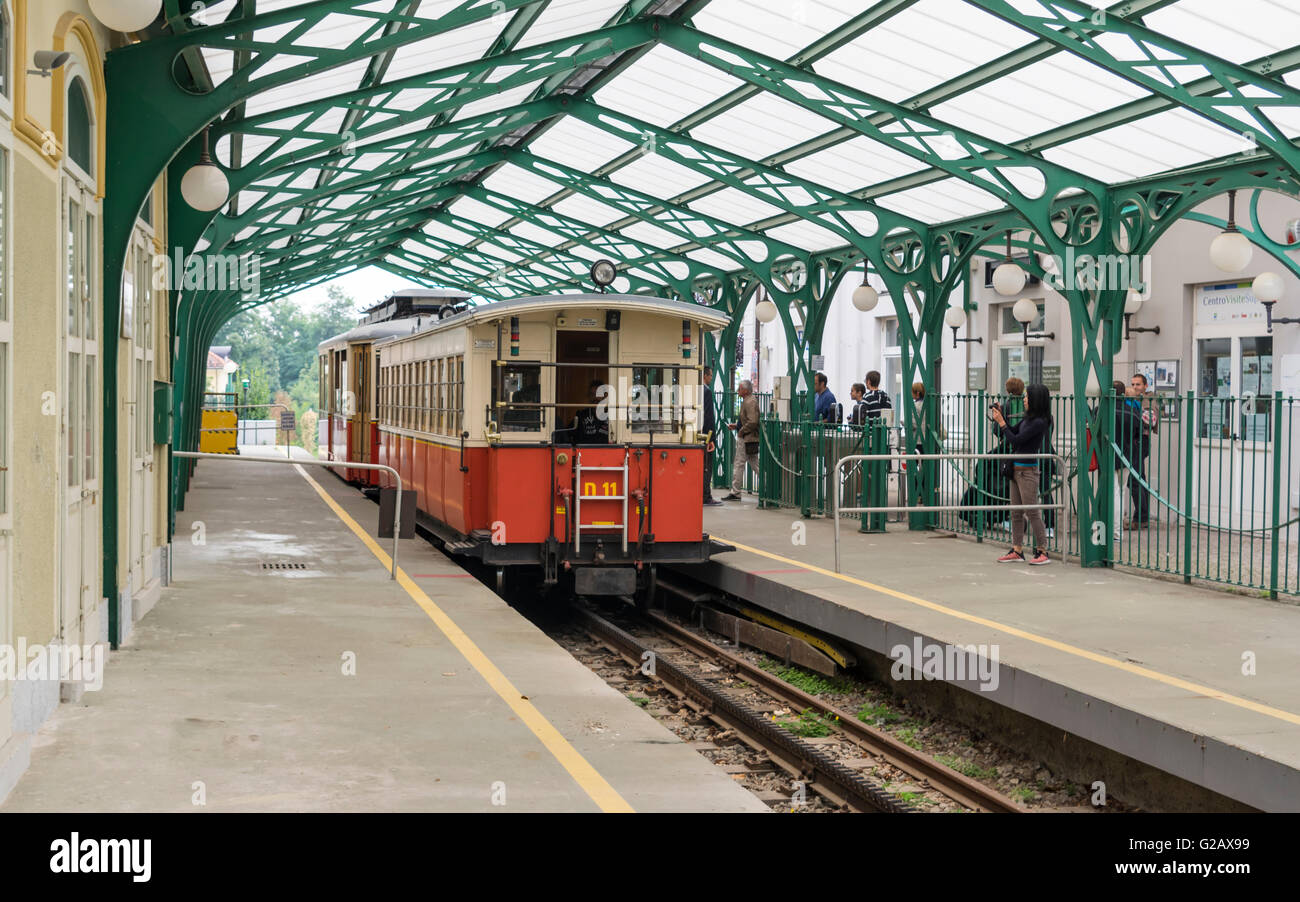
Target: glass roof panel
579 145
664 86
923 46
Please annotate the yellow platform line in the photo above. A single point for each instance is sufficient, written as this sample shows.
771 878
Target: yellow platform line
593 784
1093 656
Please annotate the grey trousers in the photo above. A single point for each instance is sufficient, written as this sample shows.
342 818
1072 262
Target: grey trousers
1024 490
738 468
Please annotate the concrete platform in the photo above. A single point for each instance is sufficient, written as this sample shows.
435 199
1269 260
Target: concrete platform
1150 668
233 692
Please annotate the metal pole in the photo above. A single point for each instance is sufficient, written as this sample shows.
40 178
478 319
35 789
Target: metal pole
1277 494
350 465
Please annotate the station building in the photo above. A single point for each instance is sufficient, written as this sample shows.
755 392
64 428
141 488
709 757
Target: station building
54 521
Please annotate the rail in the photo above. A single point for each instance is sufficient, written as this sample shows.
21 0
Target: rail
924 508
345 464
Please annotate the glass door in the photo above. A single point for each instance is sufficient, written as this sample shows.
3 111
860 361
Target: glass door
81 411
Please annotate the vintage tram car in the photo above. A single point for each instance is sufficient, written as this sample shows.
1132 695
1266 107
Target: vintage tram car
347 429
493 417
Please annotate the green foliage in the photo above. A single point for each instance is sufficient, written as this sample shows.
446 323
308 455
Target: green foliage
275 347
812 683
1023 794
808 724
876 713
968 767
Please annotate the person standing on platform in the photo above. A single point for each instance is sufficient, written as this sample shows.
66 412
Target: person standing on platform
825 410
1031 435
709 426
1137 389
875 400
746 429
858 414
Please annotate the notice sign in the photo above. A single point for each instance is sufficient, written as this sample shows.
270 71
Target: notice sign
1232 303
286 421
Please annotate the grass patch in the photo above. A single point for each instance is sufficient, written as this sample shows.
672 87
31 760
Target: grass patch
876 713
907 736
1023 794
808 724
638 700
812 683
969 768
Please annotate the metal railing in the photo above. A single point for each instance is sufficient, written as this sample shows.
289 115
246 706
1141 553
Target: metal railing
345 464
927 508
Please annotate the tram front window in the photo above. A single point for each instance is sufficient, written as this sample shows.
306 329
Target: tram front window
522 387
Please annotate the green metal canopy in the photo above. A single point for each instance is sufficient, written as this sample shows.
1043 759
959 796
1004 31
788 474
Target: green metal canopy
710 148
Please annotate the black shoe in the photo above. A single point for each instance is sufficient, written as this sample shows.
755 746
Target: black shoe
732 497
712 502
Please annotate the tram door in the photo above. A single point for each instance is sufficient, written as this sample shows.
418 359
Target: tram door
359 415
81 411
590 352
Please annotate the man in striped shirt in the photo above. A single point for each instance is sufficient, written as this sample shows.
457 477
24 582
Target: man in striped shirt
872 403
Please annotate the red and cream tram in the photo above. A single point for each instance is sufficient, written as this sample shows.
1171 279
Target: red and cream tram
347 428
556 433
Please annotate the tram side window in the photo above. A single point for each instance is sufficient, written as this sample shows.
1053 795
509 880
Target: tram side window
653 402
458 403
421 414
521 384
443 413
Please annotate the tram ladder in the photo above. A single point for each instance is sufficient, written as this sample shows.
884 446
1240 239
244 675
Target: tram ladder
579 497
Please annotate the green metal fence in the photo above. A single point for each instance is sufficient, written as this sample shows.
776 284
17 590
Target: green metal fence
1205 488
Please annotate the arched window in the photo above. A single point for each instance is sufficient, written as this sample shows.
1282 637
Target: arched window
80 127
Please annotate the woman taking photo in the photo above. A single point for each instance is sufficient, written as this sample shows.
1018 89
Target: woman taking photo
1029 436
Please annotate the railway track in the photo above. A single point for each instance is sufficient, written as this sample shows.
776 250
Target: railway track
804 761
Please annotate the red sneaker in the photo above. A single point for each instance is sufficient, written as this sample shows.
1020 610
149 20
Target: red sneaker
1012 557
1039 558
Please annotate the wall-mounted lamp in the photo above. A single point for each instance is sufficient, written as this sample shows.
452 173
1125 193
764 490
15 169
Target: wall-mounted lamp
1132 304
1026 311
1269 288
46 61
955 317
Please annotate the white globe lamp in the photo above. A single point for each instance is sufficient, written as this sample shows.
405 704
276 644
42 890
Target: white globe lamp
865 298
1025 311
205 186
126 16
1268 287
1133 302
765 310
1230 251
